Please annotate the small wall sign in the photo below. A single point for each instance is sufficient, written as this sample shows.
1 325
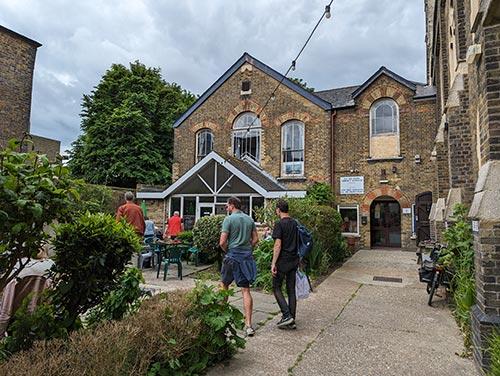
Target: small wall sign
406 210
475 226
352 185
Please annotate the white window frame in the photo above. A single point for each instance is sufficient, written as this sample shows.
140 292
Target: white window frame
350 206
283 138
198 134
256 127
373 110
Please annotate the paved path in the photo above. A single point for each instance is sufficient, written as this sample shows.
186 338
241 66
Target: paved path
353 325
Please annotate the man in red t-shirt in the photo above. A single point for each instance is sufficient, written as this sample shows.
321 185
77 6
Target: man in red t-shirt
132 214
174 226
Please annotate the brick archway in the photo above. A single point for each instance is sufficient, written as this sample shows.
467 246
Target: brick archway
383 191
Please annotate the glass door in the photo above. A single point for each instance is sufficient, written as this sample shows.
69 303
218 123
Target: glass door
385 223
205 209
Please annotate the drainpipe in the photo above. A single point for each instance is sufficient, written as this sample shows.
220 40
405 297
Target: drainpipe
332 142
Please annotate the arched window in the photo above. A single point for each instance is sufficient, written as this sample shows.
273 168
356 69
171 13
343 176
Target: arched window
384 117
204 143
292 147
246 136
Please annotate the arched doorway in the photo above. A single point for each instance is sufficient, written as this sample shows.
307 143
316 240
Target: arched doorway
385 222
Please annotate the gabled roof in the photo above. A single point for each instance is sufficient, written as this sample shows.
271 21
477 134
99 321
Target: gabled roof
20 36
247 58
341 97
252 175
383 70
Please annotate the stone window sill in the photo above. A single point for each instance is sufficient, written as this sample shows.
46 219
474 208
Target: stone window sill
292 178
387 159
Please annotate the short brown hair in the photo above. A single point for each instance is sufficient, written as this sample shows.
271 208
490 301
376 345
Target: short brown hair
282 205
235 201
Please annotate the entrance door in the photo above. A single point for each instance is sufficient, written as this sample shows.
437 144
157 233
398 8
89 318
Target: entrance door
385 223
423 203
205 209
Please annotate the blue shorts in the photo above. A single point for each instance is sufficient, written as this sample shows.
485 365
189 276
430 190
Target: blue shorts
239 266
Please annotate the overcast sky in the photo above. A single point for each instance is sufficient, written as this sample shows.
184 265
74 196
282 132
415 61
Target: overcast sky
195 41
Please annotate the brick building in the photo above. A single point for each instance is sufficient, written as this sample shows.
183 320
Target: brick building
17 61
463 56
372 142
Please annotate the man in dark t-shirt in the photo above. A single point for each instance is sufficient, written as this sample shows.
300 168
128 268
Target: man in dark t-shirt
285 263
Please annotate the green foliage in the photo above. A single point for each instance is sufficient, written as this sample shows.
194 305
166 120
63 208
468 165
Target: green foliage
26 327
321 193
33 193
127 134
206 235
263 255
494 351
459 257
323 221
122 301
185 237
95 199
91 254
302 83
218 339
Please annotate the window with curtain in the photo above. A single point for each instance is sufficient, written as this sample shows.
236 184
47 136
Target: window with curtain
292 146
246 136
384 117
204 143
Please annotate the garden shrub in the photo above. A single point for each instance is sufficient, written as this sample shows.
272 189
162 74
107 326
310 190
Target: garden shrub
206 236
494 352
321 193
119 302
176 334
459 257
263 255
185 237
95 199
34 192
90 257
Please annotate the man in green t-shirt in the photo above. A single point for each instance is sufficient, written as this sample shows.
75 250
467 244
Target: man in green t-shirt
237 239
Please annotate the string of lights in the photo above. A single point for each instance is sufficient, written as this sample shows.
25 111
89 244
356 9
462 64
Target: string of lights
326 14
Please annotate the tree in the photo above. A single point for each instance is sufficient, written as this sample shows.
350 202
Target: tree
127 134
301 82
33 194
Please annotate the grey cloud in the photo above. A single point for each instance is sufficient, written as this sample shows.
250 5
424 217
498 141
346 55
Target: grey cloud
194 42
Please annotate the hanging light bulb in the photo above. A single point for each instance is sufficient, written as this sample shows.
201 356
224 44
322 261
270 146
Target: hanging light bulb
293 65
327 11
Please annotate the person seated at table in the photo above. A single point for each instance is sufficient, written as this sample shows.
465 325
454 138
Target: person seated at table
174 227
149 228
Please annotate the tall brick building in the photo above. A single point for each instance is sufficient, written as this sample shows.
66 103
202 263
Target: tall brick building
463 56
372 142
17 61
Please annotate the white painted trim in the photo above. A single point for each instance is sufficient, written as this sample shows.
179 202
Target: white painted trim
223 185
350 206
206 184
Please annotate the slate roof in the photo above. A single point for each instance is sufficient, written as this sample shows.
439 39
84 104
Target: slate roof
341 97
255 173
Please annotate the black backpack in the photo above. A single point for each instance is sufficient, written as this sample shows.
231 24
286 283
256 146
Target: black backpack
304 240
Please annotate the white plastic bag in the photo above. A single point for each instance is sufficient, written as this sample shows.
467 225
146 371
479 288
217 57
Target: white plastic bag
302 286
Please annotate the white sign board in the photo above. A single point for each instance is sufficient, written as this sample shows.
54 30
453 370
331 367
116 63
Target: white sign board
475 226
406 210
352 185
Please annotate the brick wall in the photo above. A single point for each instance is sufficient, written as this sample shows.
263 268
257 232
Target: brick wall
417 125
17 59
43 145
220 110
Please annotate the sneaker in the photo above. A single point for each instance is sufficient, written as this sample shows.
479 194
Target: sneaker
292 326
285 321
249 331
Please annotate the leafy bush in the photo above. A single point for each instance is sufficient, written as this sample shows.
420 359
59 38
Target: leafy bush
33 193
459 257
206 235
119 302
90 257
323 221
321 193
95 199
176 334
263 255
494 351
186 237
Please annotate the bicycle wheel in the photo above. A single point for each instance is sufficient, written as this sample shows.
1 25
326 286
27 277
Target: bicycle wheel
435 284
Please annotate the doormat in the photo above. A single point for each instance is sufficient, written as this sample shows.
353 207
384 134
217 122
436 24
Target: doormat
388 279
